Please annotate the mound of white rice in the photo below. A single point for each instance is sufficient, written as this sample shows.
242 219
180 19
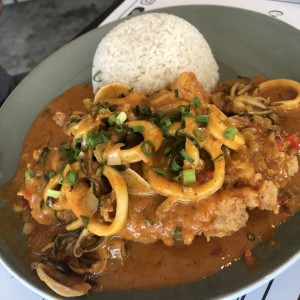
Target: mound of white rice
148 51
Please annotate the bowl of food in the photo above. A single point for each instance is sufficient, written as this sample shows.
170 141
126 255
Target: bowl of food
155 157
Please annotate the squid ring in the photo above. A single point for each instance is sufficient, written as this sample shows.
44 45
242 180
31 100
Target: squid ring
118 185
218 122
151 132
282 105
192 193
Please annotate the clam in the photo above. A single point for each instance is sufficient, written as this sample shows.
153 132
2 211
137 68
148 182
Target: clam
112 91
75 290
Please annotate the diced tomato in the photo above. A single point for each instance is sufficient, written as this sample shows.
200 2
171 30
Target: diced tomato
293 141
208 175
217 252
248 253
248 256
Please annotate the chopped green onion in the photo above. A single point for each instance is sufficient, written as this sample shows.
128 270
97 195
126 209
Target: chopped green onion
121 118
72 177
187 114
165 130
183 108
197 101
94 139
166 121
145 150
230 133
177 164
199 135
112 120
176 92
85 221
159 171
28 175
202 119
138 128
177 236
186 156
53 193
78 140
159 114
70 154
51 174
180 135
102 110
155 121
118 128
167 151
189 176
96 78
176 178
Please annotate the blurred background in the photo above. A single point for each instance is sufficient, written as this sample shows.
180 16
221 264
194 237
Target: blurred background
31 30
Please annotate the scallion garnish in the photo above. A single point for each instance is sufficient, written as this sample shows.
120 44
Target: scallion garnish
183 108
177 236
78 140
96 76
177 164
187 114
189 176
202 119
176 92
94 139
186 156
148 148
53 193
118 128
28 175
72 177
197 101
51 174
166 121
159 171
112 119
138 128
230 133
167 151
102 110
121 118
199 135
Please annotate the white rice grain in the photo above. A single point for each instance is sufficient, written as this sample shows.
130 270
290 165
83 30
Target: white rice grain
149 51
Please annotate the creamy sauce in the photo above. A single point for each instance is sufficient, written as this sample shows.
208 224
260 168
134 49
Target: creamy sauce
150 265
